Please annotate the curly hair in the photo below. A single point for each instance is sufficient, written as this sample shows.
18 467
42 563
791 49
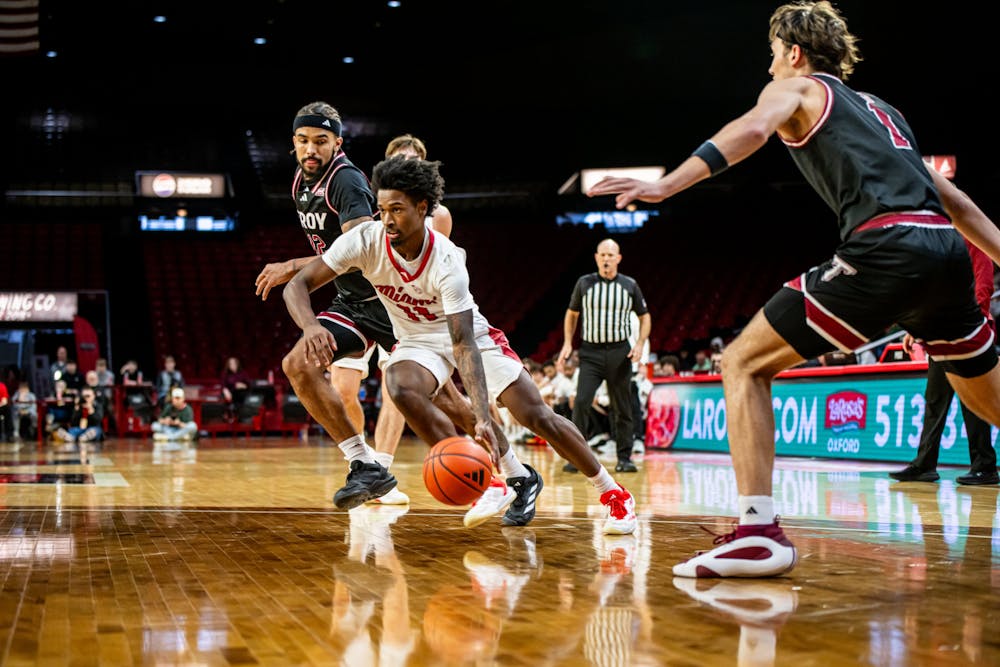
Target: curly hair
821 32
417 179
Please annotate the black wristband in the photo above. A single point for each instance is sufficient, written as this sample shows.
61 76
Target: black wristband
712 156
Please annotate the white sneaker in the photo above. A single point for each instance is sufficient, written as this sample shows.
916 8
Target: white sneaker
621 512
497 498
394 497
160 437
748 551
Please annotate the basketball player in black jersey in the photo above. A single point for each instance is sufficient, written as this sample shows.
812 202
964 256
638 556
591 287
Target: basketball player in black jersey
901 259
332 196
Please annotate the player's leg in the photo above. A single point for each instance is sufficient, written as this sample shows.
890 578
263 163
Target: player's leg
346 376
412 376
521 397
318 396
366 479
979 394
389 427
982 455
388 430
410 386
458 407
749 364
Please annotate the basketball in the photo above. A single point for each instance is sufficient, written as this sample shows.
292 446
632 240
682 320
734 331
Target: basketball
457 471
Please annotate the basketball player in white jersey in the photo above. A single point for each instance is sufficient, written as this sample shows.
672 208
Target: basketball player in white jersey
390 424
422 279
389 428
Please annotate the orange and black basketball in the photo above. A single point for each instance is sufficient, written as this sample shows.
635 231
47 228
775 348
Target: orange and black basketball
457 471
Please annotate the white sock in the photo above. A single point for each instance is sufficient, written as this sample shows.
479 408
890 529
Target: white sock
756 510
356 449
384 459
511 466
603 481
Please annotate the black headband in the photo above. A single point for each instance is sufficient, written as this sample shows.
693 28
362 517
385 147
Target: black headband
315 120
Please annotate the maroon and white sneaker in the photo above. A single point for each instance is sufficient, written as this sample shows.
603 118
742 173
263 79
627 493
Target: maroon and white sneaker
621 512
748 551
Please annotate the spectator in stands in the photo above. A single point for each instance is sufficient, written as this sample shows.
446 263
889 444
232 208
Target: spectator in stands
564 388
235 382
59 365
715 354
684 361
666 366
93 380
168 378
130 374
25 411
73 377
60 408
6 415
541 381
176 420
105 379
702 363
86 422
106 391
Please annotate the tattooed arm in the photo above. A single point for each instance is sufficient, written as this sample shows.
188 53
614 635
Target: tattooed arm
470 368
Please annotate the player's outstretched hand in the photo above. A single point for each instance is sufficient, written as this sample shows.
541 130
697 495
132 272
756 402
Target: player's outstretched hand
627 189
272 275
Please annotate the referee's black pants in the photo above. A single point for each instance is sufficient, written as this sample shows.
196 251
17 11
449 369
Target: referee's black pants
937 402
600 362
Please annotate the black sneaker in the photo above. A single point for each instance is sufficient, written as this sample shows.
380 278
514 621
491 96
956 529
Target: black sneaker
912 473
981 478
626 466
522 510
569 467
365 482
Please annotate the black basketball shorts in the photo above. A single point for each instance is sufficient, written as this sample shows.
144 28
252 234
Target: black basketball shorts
916 276
357 325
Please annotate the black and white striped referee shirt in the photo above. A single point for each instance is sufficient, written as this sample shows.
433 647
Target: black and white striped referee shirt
605 306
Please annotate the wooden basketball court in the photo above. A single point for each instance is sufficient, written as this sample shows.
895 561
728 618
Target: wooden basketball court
230 552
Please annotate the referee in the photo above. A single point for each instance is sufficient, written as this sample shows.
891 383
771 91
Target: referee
606 299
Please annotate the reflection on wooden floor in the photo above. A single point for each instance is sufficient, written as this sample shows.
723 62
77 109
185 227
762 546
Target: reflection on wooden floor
230 552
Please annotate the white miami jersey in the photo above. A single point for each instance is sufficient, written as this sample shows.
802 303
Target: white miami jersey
418 295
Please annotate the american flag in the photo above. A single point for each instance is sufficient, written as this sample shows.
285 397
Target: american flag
18 27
